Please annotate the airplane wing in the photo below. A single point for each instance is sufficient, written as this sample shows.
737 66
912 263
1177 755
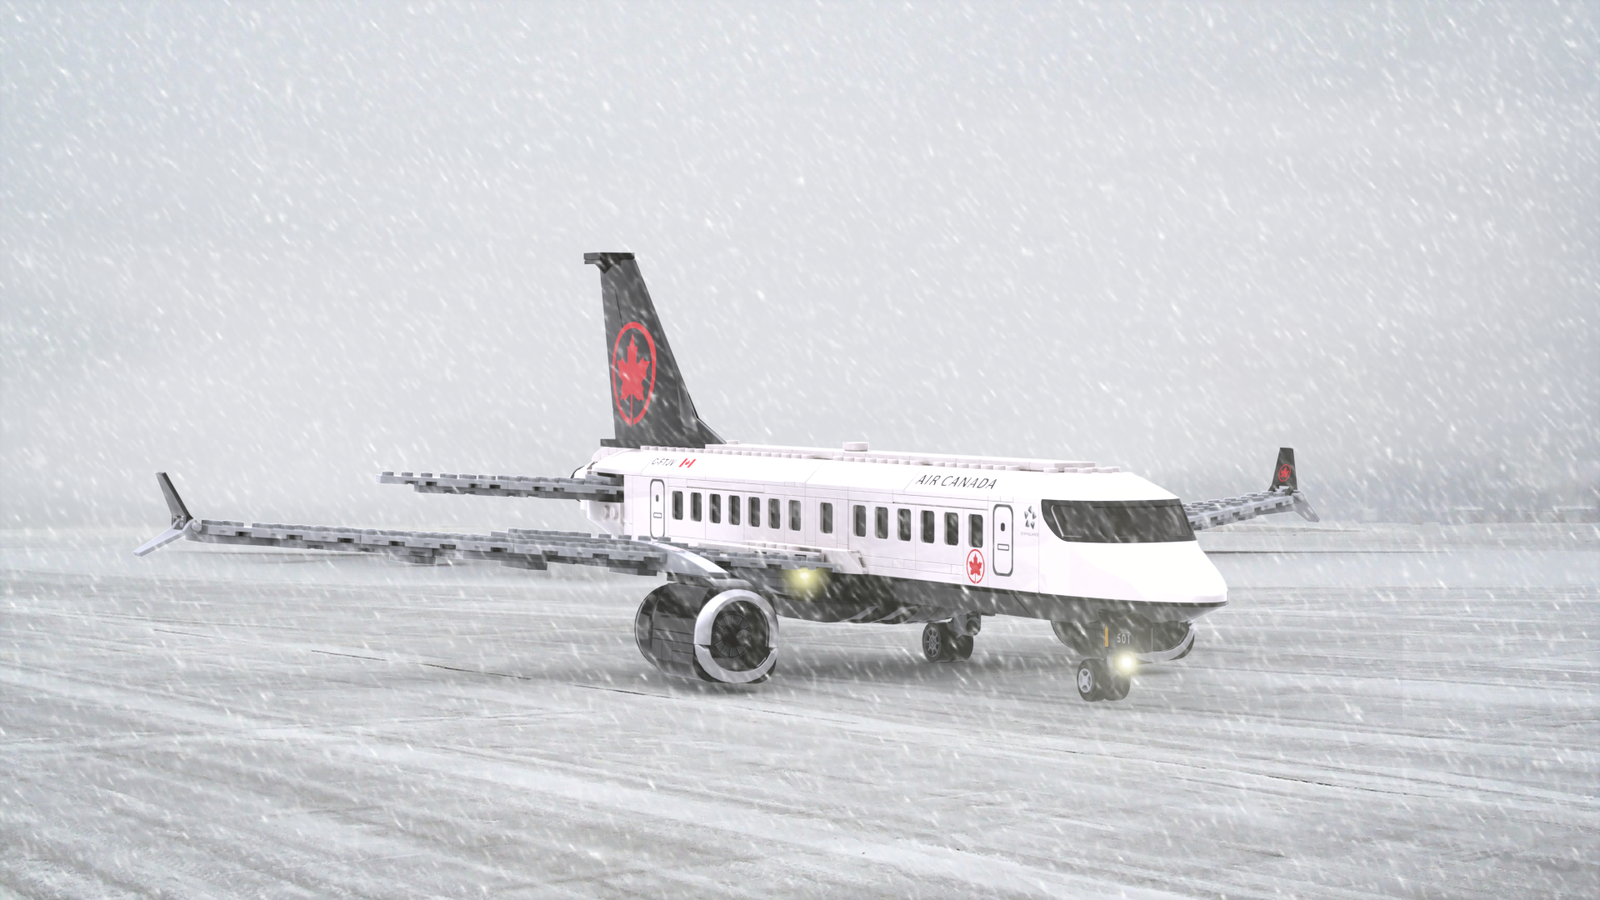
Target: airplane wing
517 547
1283 496
604 488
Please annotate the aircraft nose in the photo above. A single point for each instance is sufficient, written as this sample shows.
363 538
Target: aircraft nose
1147 573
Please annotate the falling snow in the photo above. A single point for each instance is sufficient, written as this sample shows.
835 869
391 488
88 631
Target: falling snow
277 248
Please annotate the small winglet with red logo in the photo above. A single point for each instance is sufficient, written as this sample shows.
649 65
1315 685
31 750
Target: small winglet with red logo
1281 496
650 403
1283 475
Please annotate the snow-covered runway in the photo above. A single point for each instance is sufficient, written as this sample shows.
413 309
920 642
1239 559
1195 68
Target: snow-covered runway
1383 711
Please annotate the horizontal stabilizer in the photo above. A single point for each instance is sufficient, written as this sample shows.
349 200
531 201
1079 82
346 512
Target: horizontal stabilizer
602 488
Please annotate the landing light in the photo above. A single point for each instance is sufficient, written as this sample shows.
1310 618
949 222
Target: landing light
805 583
1126 663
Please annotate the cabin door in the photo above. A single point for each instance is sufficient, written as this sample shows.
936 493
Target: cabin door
658 509
1004 540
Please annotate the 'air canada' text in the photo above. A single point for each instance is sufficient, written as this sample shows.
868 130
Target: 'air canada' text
957 481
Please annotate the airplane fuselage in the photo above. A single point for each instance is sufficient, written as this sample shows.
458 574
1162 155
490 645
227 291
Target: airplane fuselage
918 537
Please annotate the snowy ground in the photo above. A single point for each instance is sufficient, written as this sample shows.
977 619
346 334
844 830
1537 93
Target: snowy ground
1389 710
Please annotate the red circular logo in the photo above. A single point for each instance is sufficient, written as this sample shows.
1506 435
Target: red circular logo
1283 473
975 566
633 372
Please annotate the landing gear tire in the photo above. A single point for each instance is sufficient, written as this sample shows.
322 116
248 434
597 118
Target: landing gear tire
963 646
939 643
1116 685
1092 675
1099 680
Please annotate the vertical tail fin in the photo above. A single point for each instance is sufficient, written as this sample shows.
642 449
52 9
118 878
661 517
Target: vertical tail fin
1283 474
650 403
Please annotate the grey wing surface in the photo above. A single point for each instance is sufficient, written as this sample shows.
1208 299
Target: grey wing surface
517 547
1282 496
603 488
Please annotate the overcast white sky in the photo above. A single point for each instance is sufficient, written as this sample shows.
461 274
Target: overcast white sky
275 248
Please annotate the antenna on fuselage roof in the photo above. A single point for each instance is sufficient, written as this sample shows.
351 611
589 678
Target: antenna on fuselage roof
650 404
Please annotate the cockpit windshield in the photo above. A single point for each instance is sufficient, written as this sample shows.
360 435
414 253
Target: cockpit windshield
1118 521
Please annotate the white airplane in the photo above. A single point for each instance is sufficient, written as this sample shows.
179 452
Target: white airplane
749 533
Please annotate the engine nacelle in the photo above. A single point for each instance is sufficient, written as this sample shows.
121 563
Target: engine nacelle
688 631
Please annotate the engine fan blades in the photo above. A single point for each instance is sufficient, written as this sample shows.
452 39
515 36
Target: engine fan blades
739 638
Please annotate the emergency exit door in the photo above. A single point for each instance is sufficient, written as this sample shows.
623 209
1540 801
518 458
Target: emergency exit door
1004 540
658 509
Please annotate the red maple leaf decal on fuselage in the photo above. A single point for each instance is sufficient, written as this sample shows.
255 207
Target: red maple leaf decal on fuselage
631 373
975 567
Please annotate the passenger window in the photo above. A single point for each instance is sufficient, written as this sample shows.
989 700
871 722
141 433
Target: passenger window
975 530
774 513
827 518
794 515
733 509
694 506
861 521
716 509
880 525
927 526
755 512
952 529
677 504
904 524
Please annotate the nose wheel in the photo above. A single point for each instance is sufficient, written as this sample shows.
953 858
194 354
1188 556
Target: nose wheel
1098 680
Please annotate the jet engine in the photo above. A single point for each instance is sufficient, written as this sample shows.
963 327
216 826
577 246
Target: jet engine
727 636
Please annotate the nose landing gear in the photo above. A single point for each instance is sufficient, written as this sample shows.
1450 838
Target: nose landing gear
1100 679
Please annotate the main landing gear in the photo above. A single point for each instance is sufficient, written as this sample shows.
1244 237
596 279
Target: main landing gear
949 641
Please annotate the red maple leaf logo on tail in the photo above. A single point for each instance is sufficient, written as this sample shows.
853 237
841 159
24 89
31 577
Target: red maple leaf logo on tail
633 379
631 373
1283 473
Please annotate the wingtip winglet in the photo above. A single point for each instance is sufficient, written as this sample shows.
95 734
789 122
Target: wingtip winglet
159 541
180 513
1303 507
180 518
1283 473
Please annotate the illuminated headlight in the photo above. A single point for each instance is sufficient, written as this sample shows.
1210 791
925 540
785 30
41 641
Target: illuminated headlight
805 583
1125 663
